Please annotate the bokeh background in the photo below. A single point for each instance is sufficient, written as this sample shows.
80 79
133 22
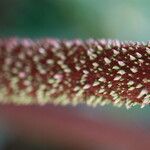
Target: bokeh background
69 19
126 20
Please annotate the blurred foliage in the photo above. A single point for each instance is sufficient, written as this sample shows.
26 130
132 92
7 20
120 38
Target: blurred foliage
125 20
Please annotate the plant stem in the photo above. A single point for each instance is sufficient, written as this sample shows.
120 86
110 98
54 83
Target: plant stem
72 72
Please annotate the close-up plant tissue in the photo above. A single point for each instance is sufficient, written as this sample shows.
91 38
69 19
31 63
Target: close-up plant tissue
74 75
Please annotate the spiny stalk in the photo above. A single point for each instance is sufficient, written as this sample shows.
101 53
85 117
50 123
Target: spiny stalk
71 72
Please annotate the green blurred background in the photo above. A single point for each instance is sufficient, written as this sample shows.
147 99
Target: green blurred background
69 19
125 20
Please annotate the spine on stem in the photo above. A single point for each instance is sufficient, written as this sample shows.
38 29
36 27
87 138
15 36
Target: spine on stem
72 72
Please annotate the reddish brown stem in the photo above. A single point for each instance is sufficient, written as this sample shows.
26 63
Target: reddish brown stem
62 72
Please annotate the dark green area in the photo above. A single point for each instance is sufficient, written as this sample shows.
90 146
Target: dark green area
126 20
